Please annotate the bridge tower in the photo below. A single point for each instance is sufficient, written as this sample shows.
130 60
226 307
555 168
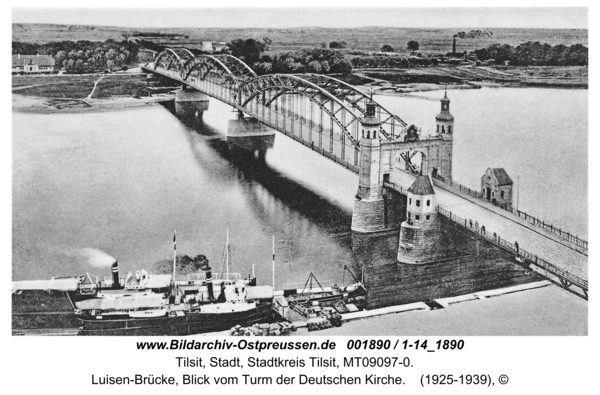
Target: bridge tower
445 130
369 213
421 239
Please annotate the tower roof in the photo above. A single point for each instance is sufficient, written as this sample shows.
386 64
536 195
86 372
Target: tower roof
370 121
421 186
444 116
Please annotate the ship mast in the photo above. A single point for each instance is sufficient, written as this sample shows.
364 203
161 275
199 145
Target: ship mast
273 263
174 255
227 254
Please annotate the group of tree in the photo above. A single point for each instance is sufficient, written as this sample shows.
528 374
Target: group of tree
248 50
391 61
158 34
338 44
387 48
536 54
412 46
83 55
317 60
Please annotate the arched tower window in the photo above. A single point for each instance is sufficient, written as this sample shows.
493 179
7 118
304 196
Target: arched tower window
443 130
438 128
449 128
374 135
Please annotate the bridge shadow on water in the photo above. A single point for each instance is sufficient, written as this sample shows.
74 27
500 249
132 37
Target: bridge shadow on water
247 155
476 266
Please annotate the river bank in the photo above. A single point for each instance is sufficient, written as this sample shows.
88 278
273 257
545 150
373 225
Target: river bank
87 92
42 105
397 82
513 314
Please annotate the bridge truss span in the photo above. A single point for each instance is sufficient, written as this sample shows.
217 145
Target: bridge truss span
297 96
392 126
319 111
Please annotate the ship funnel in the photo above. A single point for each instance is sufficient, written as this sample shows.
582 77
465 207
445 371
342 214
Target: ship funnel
203 264
209 284
115 274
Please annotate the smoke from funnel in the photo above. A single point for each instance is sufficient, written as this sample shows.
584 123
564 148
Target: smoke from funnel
97 258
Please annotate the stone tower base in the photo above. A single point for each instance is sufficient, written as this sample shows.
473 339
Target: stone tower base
380 215
423 243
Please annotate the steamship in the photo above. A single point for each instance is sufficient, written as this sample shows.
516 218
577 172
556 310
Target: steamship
146 304
159 304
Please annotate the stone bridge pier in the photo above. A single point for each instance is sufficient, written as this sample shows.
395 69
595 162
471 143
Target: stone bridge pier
250 134
190 103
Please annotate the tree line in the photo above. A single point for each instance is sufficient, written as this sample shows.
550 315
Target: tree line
536 54
392 61
83 55
317 60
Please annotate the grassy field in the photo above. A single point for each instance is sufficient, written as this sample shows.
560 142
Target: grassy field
121 85
568 77
80 86
72 86
362 38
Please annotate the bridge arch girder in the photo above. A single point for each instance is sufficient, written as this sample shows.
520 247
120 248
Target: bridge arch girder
206 64
289 83
358 100
173 58
239 69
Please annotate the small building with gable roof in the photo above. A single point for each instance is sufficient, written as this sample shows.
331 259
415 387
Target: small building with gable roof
497 188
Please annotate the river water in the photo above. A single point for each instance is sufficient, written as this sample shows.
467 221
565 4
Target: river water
121 182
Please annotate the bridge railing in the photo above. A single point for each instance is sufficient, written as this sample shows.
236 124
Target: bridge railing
459 187
395 187
581 244
514 247
552 229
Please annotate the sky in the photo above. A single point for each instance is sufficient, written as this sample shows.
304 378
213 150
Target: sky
459 17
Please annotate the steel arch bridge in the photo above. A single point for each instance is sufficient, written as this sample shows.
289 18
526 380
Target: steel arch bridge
318 111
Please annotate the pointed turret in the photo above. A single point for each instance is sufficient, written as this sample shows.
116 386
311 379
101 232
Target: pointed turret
444 120
369 210
369 185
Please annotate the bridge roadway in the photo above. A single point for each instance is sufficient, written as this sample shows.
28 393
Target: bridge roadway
530 238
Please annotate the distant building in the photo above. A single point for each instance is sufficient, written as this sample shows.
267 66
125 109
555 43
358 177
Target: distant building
497 187
220 46
32 64
213 46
